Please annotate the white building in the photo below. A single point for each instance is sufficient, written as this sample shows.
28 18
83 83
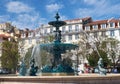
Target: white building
104 28
71 32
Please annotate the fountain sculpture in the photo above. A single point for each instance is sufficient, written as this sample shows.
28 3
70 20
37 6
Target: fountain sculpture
57 48
22 71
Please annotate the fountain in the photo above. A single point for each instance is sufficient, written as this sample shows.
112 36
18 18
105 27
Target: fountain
55 48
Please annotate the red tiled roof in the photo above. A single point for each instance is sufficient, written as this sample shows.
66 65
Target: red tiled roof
114 20
77 19
72 20
102 22
86 18
97 22
4 35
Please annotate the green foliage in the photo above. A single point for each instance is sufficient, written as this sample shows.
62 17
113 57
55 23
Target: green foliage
103 44
50 38
103 51
106 61
10 56
93 58
113 46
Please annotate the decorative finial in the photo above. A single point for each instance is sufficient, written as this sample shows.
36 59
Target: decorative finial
57 16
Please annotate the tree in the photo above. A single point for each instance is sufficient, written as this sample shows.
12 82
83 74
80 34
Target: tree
10 55
111 45
48 39
108 50
93 58
84 48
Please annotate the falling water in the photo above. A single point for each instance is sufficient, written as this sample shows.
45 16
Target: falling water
36 56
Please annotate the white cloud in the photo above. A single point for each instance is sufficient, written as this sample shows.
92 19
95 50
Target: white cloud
83 12
24 15
4 18
30 21
73 1
18 7
63 17
53 7
98 9
91 2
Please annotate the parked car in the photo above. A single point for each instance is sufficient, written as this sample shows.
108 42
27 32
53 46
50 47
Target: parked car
96 70
4 71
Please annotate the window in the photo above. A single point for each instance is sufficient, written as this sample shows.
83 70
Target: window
51 30
119 32
70 28
76 27
32 34
45 31
87 28
76 36
103 33
111 24
95 27
37 41
63 38
119 24
37 33
23 34
70 37
29 34
30 41
96 34
103 26
63 29
112 33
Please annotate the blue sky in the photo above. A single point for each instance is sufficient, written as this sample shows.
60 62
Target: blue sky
32 13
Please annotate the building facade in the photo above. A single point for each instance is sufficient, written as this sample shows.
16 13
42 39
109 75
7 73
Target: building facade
71 32
110 28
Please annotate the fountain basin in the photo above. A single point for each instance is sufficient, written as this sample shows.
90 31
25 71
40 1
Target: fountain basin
59 47
58 65
58 23
81 79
